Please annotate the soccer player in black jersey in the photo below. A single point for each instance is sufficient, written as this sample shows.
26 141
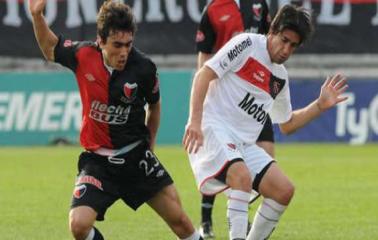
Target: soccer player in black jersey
115 82
220 21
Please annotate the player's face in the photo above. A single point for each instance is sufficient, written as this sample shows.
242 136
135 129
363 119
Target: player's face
116 49
281 45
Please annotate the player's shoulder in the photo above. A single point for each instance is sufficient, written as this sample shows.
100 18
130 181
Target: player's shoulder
220 3
219 6
80 44
281 71
252 39
88 44
141 61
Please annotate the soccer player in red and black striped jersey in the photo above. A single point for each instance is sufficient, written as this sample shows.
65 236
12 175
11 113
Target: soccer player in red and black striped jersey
220 21
115 81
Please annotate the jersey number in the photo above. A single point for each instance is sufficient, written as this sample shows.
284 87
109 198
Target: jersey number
146 165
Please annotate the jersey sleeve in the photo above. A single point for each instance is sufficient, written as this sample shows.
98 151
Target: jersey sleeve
206 36
266 19
282 109
232 55
65 53
152 94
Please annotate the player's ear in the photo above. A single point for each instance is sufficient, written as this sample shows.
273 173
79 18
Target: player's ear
100 41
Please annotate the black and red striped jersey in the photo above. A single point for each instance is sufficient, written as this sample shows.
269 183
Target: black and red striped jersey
223 19
113 103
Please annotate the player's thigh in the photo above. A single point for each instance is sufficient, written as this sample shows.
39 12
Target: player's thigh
167 203
275 184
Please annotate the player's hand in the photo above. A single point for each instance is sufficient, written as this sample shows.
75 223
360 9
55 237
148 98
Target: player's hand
331 92
36 7
193 137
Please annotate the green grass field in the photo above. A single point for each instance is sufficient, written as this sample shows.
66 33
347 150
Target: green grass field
336 195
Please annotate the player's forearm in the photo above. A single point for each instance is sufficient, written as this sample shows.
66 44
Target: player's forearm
46 39
301 117
153 121
199 90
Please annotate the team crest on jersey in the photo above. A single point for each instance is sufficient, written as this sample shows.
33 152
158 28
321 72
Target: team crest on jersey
276 85
256 8
130 91
79 191
200 36
67 43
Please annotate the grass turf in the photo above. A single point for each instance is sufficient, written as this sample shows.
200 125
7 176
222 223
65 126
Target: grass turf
336 195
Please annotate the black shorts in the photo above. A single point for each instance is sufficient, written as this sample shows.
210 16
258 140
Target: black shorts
267 132
134 177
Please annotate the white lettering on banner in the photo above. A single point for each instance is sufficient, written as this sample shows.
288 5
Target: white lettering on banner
88 7
41 111
173 11
4 98
51 110
154 13
72 111
12 18
374 20
19 115
326 14
357 122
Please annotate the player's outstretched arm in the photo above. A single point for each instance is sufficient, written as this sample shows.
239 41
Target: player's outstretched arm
330 95
46 39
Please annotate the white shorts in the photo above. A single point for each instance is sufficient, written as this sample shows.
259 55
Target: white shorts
219 148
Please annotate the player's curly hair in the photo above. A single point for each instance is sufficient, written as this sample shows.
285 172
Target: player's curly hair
295 18
115 16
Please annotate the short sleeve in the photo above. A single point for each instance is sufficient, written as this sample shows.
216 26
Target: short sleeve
152 85
206 36
282 109
232 55
65 53
265 20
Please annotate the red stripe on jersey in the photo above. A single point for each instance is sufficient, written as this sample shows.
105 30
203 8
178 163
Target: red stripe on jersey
256 74
93 80
226 20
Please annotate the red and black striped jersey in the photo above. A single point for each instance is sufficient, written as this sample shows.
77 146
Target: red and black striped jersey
223 19
113 103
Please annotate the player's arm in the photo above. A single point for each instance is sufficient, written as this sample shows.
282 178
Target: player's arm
153 121
202 58
193 138
46 39
330 95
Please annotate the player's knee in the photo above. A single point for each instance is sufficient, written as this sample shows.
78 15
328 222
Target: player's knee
79 228
286 193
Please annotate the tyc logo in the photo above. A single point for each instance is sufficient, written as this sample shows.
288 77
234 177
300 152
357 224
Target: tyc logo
359 123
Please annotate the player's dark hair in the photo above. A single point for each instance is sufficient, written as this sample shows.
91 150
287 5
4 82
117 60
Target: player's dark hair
113 17
295 18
